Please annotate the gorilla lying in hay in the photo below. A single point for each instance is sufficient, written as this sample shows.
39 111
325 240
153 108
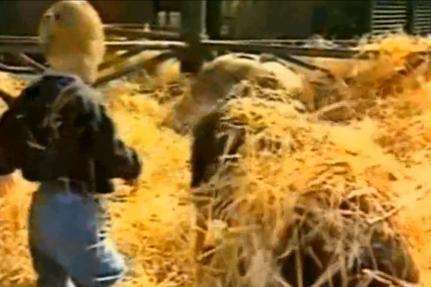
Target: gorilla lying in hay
280 204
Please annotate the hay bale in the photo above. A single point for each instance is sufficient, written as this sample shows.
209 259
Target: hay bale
216 80
280 208
381 161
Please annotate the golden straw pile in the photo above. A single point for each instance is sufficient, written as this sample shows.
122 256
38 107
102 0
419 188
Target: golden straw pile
345 177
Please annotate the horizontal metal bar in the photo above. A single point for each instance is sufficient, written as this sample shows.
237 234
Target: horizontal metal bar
16 69
387 21
157 35
139 26
30 39
296 40
389 17
387 28
124 25
421 17
423 20
282 47
285 50
31 62
146 44
389 6
385 12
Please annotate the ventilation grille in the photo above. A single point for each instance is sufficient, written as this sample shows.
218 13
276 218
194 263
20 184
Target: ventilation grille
388 16
421 17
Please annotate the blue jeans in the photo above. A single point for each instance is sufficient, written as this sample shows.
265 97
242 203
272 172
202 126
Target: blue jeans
66 240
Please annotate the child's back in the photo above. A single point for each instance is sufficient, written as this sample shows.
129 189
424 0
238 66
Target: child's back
57 133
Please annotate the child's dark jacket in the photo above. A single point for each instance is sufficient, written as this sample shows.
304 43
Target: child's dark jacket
57 129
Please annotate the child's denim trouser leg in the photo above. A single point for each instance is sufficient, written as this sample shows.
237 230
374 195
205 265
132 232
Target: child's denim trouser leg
65 240
50 274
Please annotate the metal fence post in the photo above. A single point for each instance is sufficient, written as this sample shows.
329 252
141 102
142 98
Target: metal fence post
193 30
193 19
214 18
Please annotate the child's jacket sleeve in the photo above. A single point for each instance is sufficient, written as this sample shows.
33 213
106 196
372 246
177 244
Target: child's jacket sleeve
53 132
8 123
112 157
15 136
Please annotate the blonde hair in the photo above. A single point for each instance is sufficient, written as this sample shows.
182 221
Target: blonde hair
71 34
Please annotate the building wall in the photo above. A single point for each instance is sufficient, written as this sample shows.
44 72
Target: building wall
270 19
300 19
250 19
21 17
